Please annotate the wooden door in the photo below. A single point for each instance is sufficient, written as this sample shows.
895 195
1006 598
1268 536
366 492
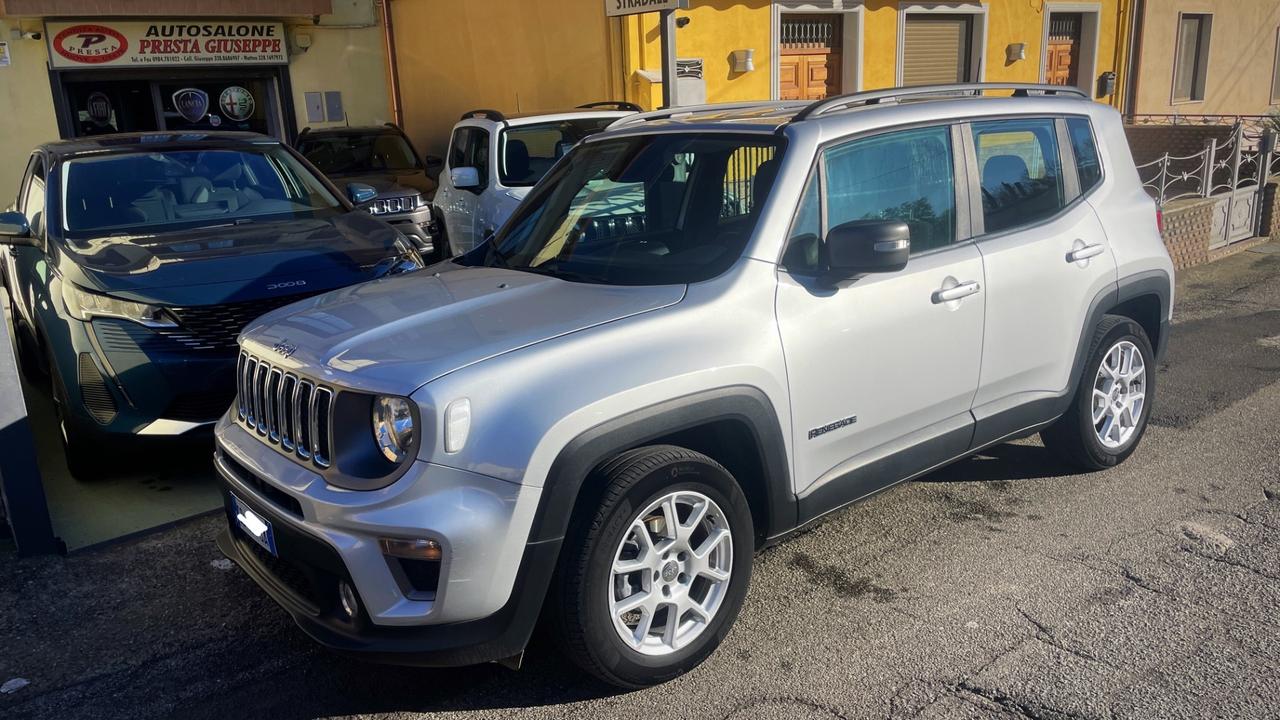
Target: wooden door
810 57
1062 56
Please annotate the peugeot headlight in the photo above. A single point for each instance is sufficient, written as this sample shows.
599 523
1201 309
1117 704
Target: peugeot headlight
85 305
393 427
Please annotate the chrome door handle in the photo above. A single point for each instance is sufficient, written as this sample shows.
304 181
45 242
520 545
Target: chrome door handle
1085 253
951 294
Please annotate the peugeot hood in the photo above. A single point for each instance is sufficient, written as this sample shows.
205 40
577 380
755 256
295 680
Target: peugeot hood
396 334
233 263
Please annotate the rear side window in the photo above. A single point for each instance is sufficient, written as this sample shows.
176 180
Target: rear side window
1021 172
907 176
1088 166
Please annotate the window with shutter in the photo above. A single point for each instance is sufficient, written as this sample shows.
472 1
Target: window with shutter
936 49
1192 60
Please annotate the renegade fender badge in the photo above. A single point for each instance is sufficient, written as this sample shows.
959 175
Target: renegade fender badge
846 422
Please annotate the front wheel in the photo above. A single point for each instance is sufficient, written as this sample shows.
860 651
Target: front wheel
1109 414
651 582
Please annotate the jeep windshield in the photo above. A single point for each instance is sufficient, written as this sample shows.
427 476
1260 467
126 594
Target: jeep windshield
147 193
643 210
349 153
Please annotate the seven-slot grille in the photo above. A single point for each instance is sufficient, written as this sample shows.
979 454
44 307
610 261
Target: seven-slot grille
393 205
285 409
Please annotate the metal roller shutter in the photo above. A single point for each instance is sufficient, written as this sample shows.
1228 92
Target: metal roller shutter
936 50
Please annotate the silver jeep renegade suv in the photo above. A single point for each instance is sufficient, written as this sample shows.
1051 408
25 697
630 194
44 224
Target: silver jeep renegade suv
704 329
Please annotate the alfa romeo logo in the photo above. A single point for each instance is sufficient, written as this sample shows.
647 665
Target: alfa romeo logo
236 103
191 103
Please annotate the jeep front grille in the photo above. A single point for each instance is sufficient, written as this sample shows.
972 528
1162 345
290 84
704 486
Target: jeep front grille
386 206
285 410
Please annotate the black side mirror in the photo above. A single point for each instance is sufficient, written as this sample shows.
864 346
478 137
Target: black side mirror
867 246
360 193
433 164
14 229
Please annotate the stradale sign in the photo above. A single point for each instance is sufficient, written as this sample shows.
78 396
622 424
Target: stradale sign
146 43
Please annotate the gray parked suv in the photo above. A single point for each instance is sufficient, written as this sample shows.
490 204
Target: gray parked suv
705 329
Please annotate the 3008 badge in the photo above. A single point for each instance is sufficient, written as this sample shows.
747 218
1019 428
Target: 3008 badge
93 44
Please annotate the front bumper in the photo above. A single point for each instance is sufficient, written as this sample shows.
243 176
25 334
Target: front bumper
122 379
491 580
419 226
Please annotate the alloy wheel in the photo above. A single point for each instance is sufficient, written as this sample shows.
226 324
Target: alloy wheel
670 573
1119 394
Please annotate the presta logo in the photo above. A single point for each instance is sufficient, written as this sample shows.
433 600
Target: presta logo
92 44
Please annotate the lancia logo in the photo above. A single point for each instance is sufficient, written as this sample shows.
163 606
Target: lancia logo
191 103
285 349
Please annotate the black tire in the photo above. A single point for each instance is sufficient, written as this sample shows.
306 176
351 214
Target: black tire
1072 437
87 457
630 483
30 355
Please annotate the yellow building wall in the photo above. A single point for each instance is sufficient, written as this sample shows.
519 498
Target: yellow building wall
459 55
26 103
1242 57
352 61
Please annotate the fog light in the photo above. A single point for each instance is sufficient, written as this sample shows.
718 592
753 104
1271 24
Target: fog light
347 594
411 549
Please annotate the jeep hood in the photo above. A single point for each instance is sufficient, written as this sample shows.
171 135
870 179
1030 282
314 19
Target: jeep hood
399 333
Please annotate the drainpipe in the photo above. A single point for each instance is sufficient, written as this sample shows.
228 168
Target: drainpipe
1136 25
393 69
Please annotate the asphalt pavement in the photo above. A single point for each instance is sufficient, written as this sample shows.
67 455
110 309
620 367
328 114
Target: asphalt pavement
1003 586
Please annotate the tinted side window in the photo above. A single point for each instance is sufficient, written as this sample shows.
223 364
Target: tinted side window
458 148
478 152
804 244
1021 172
1088 166
907 176
34 196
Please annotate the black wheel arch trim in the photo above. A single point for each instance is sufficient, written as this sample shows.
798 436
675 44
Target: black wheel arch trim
741 403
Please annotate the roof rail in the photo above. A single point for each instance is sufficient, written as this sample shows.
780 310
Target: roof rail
875 97
666 113
487 114
620 105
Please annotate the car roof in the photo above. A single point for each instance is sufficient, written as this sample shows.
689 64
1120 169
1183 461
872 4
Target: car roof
145 141
352 130
772 116
493 117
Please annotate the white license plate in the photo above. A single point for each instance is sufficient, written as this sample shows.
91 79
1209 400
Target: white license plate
254 525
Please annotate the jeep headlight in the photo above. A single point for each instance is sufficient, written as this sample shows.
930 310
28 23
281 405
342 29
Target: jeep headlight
84 305
393 427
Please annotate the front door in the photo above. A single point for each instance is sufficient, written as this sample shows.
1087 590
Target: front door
810 57
1062 57
882 369
460 207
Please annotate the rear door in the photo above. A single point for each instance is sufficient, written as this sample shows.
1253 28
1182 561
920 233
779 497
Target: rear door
1046 259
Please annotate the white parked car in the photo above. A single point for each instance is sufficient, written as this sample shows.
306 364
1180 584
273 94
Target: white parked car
494 160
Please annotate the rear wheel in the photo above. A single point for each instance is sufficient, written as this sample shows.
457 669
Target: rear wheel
1109 414
650 583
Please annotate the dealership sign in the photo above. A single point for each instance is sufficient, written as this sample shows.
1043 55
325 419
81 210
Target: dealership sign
141 43
614 8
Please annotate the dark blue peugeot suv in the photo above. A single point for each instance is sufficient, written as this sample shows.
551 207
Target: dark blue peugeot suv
133 262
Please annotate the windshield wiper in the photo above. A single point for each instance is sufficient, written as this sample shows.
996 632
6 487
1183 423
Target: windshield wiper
492 242
569 275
